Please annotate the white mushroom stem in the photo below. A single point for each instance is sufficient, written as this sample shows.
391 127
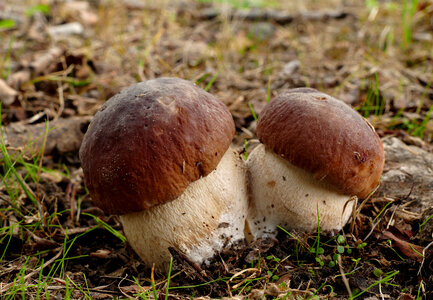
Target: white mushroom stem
209 215
285 195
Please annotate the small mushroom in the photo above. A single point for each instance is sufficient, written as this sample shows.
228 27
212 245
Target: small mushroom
158 154
317 155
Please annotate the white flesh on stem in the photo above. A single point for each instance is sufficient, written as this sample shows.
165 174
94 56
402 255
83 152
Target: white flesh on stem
285 195
209 215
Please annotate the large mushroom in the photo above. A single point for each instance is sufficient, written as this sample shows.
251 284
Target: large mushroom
158 154
317 156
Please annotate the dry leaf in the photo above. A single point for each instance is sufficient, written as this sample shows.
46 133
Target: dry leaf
410 250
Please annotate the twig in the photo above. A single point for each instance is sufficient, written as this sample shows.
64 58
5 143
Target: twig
392 217
423 256
343 276
380 289
357 211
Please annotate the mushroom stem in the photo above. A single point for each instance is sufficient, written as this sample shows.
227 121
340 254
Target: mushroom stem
209 215
285 195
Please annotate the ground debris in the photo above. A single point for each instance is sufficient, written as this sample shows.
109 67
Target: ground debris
280 17
408 172
7 94
61 135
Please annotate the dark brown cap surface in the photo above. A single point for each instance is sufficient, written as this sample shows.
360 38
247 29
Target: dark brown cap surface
324 136
149 142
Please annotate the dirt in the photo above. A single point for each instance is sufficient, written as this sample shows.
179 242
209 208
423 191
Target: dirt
55 77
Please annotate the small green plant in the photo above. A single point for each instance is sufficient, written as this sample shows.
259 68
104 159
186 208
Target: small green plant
361 245
245 155
272 260
372 4
420 290
425 222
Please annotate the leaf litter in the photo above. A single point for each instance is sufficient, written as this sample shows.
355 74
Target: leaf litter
61 60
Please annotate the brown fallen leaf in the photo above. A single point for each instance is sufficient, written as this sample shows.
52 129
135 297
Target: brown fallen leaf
7 94
80 11
410 250
134 289
101 253
42 243
41 63
64 135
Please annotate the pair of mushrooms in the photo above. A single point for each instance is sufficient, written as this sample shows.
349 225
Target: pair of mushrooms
158 154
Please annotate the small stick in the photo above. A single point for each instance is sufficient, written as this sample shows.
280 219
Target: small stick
343 276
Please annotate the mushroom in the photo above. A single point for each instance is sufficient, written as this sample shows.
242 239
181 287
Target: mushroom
158 154
317 156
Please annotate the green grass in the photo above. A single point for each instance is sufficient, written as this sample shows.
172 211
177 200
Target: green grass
4 60
211 81
387 279
7 24
409 9
107 227
374 104
16 177
253 113
424 223
42 8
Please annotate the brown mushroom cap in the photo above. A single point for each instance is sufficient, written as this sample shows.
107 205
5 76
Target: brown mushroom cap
149 142
324 136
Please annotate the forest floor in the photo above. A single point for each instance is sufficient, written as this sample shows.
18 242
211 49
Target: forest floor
61 60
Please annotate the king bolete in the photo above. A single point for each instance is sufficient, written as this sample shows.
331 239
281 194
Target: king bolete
158 154
317 155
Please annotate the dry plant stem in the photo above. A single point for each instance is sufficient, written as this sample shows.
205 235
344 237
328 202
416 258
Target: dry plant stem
423 256
375 224
126 275
61 100
343 276
357 211
44 141
255 272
